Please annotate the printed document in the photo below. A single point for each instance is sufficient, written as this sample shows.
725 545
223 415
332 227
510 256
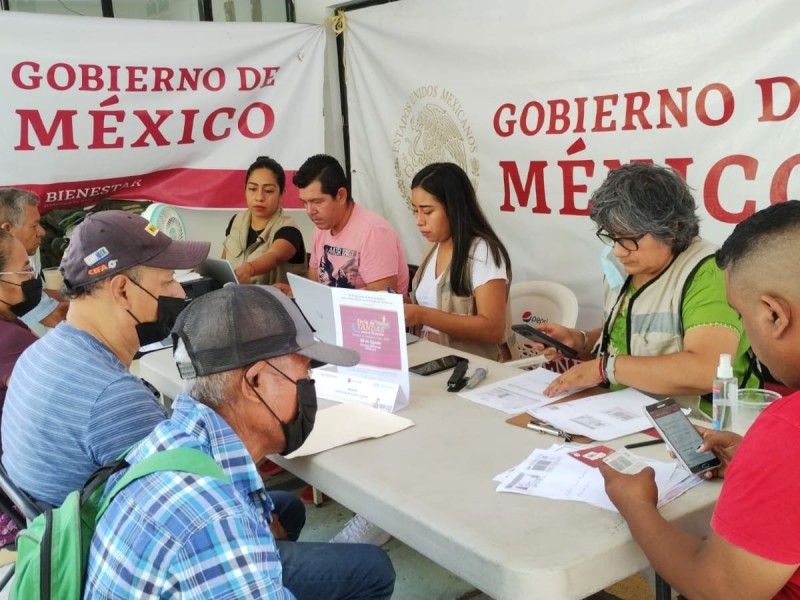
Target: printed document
553 473
602 417
516 394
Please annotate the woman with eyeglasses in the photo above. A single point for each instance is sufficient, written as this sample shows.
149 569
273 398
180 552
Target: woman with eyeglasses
20 291
666 316
459 294
262 243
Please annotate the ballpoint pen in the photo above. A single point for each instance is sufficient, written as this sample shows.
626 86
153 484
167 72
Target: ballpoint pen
549 431
643 444
541 429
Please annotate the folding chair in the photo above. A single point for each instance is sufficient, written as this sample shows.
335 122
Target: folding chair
13 496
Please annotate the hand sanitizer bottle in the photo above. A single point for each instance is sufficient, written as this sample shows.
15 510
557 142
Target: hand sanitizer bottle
724 392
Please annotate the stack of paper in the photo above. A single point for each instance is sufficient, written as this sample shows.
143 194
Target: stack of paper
600 417
517 394
553 473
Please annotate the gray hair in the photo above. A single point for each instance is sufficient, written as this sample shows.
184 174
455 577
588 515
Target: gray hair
645 198
212 390
12 205
6 239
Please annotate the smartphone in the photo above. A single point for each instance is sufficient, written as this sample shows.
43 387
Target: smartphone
436 366
680 435
538 336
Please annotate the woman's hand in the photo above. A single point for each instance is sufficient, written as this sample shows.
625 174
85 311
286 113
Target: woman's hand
414 314
244 272
565 335
584 375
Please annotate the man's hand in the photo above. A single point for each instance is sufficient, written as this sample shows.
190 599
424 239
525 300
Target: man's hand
626 491
723 444
278 532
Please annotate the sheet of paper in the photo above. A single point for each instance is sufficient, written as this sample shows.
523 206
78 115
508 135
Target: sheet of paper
516 394
680 483
341 387
556 448
556 475
603 417
347 423
185 276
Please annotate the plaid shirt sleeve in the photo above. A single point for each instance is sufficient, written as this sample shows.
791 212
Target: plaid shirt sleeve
177 535
228 559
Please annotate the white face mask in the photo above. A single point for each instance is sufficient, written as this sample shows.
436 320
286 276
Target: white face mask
612 269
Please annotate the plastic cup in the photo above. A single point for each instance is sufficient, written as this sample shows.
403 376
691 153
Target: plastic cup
52 278
749 404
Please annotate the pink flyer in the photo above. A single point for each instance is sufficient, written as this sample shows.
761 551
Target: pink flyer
373 333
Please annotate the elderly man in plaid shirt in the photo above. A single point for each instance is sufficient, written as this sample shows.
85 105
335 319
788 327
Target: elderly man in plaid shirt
245 353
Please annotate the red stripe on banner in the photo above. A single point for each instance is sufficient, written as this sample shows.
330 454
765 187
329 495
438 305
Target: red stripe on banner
193 188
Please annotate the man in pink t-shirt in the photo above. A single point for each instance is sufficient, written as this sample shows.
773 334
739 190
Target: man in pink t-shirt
352 247
753 549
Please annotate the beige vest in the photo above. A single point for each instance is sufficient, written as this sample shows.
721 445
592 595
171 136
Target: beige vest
655 326
463 305
237 252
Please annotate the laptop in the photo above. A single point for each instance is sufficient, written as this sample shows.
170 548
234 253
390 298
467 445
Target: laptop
316 302
218 269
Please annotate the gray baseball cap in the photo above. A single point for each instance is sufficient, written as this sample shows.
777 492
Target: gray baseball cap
111 241
242 324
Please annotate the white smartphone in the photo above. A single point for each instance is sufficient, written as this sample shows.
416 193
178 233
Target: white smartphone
681 436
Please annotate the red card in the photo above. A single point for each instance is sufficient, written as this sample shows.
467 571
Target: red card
592 456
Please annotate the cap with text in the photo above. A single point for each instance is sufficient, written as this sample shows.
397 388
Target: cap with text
112 241
240 325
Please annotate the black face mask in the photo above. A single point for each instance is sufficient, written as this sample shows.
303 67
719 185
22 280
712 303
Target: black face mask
32 292
167 313
296 432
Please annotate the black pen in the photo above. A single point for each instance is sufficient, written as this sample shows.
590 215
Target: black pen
643 444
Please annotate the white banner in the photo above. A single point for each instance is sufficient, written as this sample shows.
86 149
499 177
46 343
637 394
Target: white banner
170 111
538 100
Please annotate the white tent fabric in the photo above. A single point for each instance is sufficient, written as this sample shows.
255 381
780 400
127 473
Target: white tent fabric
537 100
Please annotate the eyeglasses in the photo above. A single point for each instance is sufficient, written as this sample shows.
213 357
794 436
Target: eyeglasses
631 244
28 272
